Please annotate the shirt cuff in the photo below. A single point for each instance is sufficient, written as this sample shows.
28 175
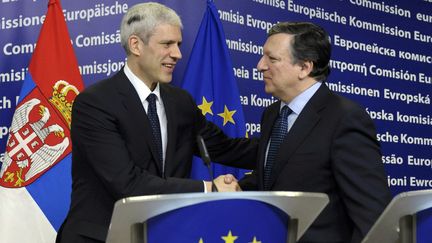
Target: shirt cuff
205 188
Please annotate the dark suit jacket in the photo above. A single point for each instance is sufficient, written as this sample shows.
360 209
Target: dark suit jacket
332 149
113 154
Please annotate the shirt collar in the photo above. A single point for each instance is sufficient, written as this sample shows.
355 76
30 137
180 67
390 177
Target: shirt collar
300 101
139 85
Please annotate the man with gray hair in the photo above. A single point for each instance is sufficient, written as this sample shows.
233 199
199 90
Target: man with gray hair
315 140
134 134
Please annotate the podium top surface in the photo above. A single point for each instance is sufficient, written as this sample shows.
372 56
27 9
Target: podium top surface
303 206
386 228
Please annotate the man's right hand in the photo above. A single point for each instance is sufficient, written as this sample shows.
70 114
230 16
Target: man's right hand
224 183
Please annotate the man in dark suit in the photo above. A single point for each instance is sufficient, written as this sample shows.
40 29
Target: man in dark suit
314 140
134 134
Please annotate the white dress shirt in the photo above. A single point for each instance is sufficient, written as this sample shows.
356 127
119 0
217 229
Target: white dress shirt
143 92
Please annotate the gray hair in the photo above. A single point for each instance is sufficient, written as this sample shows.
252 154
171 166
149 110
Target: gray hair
310 43
141 20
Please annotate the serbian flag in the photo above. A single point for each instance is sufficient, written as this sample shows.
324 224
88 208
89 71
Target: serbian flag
35 177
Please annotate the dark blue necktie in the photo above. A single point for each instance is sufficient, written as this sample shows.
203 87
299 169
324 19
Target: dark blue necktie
279 131
154 122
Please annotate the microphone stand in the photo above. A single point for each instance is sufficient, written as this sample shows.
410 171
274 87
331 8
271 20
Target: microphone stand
207 161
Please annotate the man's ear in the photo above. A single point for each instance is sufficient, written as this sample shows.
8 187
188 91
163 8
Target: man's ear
306 69
134 46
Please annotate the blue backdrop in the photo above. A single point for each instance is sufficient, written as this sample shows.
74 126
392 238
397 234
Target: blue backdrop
382 56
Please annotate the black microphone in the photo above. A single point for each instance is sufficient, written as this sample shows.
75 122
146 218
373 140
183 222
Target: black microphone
206 158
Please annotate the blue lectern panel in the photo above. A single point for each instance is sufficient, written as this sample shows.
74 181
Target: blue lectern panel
226 221
424 226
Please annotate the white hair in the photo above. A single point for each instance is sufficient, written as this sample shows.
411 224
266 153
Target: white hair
141 20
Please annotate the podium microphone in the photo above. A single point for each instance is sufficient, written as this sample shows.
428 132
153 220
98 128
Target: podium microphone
206 158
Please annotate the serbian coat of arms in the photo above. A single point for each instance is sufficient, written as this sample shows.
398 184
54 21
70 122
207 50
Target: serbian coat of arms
38 137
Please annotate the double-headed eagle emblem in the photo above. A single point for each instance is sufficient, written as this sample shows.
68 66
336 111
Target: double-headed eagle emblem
27 146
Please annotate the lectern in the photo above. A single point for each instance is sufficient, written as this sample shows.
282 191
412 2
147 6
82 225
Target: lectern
397 223
131 216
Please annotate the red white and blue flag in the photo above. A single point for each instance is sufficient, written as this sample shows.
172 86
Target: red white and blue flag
35 178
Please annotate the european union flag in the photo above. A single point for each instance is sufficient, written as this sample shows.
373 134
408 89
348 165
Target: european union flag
202 223
210 79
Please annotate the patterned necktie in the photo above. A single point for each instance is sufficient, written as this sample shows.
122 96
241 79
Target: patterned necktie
154 122
279 131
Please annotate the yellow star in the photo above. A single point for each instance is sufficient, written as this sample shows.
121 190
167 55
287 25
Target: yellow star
201 240
205 107
229 238
227 115
255 240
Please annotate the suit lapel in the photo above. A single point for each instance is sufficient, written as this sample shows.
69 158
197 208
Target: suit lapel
305 122
169 104
138 119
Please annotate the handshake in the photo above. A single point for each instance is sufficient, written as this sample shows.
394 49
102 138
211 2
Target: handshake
224 183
